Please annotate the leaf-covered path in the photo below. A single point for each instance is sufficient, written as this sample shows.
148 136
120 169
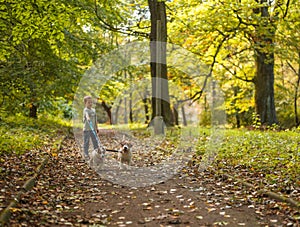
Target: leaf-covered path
69 193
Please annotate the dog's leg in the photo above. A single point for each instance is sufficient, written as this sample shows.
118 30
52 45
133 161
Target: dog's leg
102 156
91 162
120 159
120 165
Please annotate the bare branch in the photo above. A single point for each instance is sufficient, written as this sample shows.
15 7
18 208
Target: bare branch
126 30
292 68
234 74
199 94
287 8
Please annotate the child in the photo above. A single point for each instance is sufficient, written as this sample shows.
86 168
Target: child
89 115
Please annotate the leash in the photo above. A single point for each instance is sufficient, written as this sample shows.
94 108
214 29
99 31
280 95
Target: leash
112 150
98 140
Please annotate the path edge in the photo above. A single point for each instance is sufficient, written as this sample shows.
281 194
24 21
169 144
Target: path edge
29 184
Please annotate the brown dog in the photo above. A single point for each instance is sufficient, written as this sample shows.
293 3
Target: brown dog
125 154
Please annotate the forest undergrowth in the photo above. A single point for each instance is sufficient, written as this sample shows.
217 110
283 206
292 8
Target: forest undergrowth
268 160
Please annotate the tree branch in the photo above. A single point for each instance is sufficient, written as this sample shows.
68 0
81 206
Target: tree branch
293 69
234 74
199 94
126 30
287 8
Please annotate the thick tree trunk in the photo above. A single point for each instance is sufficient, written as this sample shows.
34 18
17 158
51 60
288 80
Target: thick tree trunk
264 59
160 106
264 88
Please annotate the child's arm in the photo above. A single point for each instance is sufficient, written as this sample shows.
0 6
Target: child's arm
87 116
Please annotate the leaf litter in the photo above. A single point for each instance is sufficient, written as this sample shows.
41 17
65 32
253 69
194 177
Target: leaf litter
69 193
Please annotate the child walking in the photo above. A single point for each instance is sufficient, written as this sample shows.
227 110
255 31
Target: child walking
89 115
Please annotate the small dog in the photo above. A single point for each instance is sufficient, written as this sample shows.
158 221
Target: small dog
97 158
125 154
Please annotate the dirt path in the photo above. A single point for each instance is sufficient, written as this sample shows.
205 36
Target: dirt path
69 193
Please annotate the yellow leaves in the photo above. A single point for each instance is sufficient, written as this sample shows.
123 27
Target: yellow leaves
45 202
211 209
189 41
14 210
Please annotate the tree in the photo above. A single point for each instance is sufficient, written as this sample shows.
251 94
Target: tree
44 48
158 42
125 23
263 40
287 39
234 34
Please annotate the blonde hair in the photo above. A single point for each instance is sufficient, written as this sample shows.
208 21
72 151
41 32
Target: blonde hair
86 98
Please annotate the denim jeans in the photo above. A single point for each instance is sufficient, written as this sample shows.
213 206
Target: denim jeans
87 135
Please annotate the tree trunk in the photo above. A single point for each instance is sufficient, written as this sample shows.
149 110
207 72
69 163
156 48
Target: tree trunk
264 78
175 115
33 107
33 110
264 88
184 121
296 96
130 108
115 116
237 115
107 110
297 122
158 35
146 102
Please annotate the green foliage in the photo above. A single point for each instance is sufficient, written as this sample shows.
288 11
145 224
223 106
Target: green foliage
205 118
47 45
227 35
58 107
45 48
274 155
19 134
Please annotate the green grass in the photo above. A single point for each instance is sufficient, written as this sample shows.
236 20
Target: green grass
274 156
270 157
19 134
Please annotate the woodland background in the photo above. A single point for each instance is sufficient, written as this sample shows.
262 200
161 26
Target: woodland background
251 48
